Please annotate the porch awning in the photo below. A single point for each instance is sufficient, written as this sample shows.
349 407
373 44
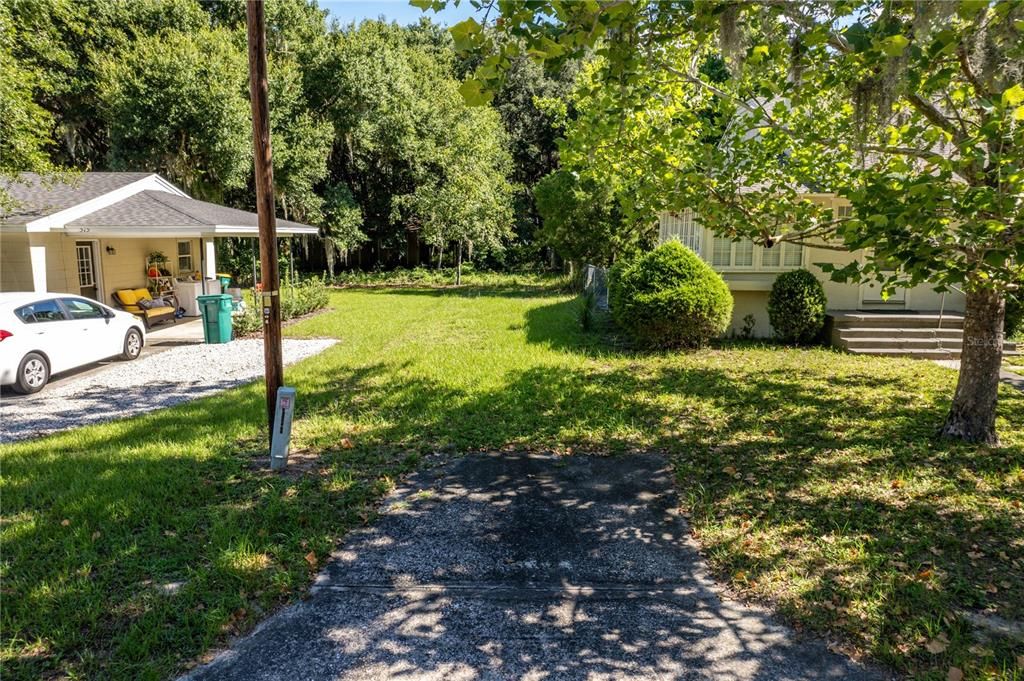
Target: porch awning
158 213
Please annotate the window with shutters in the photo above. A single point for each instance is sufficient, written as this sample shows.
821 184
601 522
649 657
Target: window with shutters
728 253
681 226
783 255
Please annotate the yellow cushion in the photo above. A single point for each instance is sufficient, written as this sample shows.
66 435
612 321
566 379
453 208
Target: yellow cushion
156 311
131 308
142 294
127 297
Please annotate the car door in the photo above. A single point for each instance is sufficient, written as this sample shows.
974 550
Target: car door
89 329
44 330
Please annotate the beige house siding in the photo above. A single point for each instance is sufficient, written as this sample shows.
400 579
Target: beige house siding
751 283
15 266
125 268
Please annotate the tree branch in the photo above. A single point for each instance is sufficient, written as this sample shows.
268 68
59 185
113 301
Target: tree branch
934 115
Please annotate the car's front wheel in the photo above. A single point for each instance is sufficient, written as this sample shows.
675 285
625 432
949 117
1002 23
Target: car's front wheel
33 373
132 344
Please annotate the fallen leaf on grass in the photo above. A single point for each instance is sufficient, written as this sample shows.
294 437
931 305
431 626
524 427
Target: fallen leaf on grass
896 484
955 674
346 443
65 522
924 574
311 559
729 470
1020 661
936 646
95 535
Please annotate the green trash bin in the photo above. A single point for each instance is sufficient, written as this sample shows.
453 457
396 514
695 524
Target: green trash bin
216 310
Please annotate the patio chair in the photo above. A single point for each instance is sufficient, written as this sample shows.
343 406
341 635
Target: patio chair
140 303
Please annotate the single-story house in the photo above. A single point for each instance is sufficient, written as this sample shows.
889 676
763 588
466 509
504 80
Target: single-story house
750 270
98 232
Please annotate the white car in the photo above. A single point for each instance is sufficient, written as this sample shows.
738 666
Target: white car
42 334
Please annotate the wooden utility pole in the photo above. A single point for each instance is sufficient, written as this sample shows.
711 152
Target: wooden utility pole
270 296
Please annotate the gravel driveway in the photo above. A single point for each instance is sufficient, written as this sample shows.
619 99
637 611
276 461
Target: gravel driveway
154 381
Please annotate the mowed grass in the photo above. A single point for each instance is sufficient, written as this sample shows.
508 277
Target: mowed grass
811 478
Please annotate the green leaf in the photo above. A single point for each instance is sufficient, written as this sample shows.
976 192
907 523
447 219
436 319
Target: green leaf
464 34
422 4
894 45
550 48
968 8
1013 96
473 93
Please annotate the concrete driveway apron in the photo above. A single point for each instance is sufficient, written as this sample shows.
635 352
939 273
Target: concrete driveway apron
519 566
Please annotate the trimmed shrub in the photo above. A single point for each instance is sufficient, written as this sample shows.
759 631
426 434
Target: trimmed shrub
669 297
796 307
302 298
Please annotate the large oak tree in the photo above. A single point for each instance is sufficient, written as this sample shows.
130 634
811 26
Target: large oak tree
914 111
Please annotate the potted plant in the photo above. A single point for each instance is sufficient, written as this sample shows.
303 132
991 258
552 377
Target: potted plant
156 262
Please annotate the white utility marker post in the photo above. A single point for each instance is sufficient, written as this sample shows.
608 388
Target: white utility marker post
282 435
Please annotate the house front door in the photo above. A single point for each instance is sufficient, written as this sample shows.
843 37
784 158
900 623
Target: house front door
87 264
871 296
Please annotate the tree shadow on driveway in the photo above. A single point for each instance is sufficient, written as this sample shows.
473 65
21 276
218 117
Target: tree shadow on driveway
519 566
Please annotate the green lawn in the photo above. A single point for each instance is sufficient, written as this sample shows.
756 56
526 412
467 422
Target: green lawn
811 478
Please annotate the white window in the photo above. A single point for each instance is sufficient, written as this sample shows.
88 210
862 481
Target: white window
844 212
743 253
83 255
784 254
728 253
792 255
184 257
682 226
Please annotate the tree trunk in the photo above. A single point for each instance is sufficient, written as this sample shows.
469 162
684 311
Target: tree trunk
329 256
458 265
972 416
412 248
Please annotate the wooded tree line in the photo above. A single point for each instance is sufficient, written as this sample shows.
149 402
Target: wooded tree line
372 140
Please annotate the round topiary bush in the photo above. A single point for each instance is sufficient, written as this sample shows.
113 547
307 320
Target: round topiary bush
669 297
796 307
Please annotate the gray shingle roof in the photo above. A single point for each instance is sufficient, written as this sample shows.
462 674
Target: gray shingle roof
162 209
36 198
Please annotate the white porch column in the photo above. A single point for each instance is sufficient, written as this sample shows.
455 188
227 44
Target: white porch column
37 255
210 258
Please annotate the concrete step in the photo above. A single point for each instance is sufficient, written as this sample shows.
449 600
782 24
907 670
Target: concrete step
897 321
915 353
884 332
896 341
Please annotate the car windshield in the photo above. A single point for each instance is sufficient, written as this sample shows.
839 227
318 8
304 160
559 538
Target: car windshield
42 311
